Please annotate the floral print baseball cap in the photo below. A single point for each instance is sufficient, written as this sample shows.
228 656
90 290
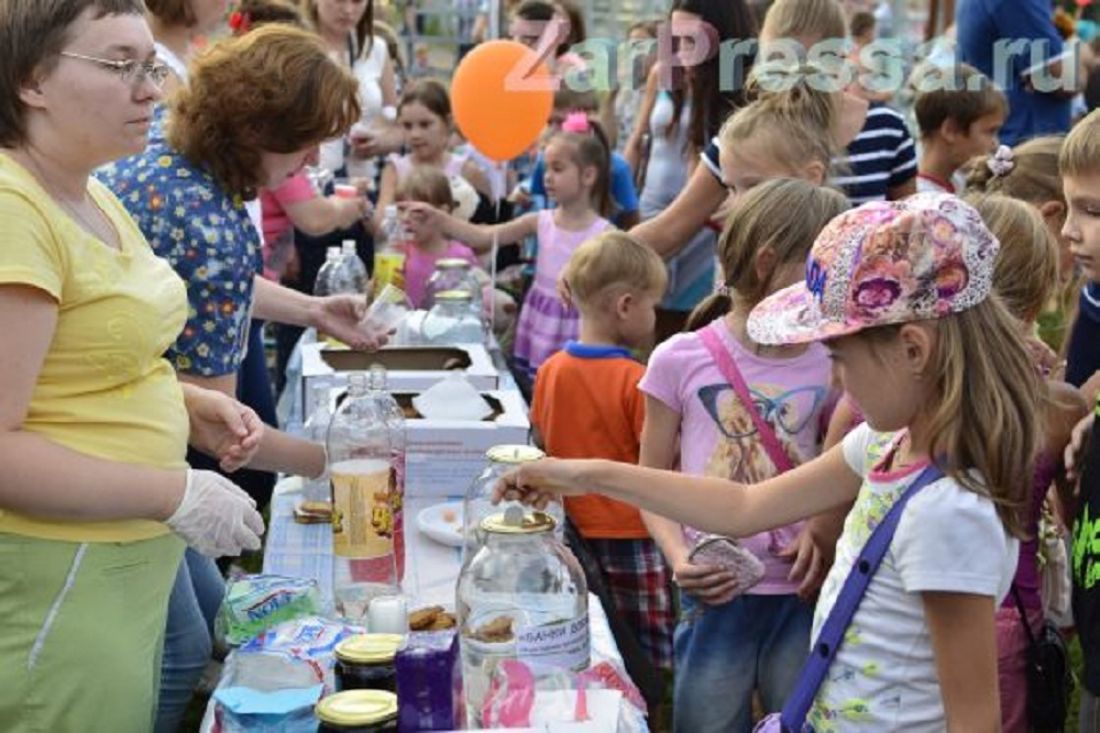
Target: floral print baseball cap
882 263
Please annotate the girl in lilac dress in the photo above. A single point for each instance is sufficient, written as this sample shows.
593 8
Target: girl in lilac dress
576 179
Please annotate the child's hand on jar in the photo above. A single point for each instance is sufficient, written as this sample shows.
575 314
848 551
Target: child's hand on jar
540 482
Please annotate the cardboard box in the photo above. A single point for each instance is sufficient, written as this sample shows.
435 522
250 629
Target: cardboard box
445 456
408 368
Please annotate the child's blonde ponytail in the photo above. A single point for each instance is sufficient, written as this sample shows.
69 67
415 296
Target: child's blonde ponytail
789 118
762 219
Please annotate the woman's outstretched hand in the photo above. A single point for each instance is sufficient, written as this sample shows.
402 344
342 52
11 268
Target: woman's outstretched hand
539 482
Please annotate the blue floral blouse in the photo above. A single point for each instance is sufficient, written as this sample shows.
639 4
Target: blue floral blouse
208 238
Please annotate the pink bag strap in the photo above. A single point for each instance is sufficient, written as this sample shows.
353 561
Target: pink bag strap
728 367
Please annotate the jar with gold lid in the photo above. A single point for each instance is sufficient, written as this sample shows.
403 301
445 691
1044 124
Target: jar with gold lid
453 274
357 711
521 596
453 319
478 504
366 662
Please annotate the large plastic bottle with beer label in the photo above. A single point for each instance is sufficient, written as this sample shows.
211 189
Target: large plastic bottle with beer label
363 441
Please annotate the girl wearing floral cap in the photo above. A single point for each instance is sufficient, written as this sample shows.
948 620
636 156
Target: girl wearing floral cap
900 294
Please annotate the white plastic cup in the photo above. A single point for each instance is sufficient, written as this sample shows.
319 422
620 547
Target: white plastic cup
387 311
388 615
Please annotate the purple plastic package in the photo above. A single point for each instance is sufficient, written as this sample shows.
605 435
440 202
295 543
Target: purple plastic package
729 555
429 682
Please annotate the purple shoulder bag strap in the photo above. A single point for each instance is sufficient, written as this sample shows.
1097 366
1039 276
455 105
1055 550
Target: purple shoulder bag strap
793 717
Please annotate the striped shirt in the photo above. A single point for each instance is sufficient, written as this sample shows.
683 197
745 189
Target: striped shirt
880 157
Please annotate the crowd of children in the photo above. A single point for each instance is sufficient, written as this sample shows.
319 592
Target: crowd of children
837 352
927 331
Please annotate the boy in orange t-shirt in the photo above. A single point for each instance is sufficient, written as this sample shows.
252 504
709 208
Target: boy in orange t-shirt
587 405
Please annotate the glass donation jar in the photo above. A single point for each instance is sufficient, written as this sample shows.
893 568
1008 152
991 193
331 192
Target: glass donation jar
453 274
522 597
500 459
452 320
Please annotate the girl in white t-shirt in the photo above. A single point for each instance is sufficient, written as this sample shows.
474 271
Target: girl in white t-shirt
899 294
731 640
347 28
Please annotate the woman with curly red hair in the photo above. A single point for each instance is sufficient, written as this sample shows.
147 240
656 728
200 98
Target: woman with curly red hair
253 112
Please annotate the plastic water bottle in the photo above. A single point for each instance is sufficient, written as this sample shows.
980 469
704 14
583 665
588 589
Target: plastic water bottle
322 286
362 443
389 251
348 274
316 430
353 272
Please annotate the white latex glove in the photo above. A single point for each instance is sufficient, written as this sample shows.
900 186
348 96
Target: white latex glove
216 517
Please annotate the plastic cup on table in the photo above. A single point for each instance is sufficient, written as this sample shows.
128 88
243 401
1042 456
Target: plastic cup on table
388 615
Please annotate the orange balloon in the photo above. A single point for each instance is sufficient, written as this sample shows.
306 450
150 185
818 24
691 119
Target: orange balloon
502 96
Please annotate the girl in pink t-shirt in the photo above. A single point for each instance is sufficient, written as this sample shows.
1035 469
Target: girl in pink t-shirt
731 640
424 114
428 245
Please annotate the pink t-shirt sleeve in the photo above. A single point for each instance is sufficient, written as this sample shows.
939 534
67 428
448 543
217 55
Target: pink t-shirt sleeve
458 250
662 376
294 190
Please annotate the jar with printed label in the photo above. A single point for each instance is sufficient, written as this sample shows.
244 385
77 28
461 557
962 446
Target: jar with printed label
521 596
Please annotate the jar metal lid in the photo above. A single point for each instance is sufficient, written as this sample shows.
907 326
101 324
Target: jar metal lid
357 707
369 648
452 263
515 521
454 295
514 454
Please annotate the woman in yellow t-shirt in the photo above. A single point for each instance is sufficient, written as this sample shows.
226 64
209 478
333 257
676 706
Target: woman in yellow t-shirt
95 495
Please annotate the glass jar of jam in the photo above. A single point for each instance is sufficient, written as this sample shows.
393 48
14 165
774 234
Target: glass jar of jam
365 662
357 711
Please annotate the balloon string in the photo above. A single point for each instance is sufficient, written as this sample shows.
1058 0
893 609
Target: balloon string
503 171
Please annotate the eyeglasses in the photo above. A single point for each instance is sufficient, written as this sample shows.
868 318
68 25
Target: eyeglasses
131 71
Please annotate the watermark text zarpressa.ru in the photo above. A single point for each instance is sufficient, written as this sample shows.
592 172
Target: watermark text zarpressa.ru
884 66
